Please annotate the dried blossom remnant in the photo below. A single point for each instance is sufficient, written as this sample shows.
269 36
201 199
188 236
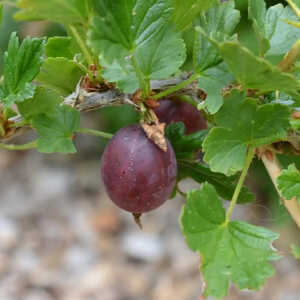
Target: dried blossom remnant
156 133
151 103
155 130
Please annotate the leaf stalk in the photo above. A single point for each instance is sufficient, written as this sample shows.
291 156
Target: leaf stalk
28 146
82 45
144 83
102 134
250 156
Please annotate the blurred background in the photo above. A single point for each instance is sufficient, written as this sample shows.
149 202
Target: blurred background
62 239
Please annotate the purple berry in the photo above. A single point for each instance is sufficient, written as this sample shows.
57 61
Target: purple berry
177 111
138 176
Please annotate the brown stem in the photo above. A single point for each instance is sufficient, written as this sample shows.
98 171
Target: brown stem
137 220
273 167
85 101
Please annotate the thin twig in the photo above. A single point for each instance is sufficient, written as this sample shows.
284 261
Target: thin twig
85 101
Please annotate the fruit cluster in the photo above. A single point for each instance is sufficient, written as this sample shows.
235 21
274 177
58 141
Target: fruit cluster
137 174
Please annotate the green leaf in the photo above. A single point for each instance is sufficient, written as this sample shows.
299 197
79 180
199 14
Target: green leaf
61 11
43 102
213 81
1 13
186 11
184 145
289 183
281 43
296 251
225 186
219 22
241 123
237 251
257 12
60 74
269 26
56 130
161 57
26 93
127 24
59 46
138 31
123 75
21 65
254 72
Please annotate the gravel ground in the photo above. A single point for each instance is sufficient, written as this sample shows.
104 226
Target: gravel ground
62 239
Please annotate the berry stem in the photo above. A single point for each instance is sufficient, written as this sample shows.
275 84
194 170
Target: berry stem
177 87
28 146
102 134
137 220
250 156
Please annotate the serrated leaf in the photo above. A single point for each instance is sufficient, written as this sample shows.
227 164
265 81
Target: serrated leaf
161 57
289 183
219 22
269 26
224 151
123 75
44 101
295 251
184 145
212 82
60 74
56 130
59 46
186 11
281 43
61 11
127 24
21 65
225 186
27 92
254 72
137 33
257 12
243 123
237 251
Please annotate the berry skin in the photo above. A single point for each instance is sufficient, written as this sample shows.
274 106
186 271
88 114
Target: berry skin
138 176
177 111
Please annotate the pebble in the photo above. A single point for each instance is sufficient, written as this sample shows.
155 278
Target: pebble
142 246
9 233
